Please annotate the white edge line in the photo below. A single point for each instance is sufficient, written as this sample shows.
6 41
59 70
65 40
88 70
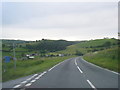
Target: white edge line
37 77
56 65
33 80
79 69
29 79
24 82
100 67
91 84
16 86
28 84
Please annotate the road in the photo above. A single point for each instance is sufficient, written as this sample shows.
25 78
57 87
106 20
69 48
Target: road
72 73
75 73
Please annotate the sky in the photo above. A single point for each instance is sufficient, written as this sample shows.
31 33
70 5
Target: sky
59 20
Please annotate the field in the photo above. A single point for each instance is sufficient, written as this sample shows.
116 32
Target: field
89 46
28 67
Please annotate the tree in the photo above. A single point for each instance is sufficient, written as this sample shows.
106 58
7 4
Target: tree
43 52
3 45
107 44
78 53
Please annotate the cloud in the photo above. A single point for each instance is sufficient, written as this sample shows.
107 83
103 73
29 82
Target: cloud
73 25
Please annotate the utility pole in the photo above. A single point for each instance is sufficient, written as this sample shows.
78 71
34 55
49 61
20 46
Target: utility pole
14 58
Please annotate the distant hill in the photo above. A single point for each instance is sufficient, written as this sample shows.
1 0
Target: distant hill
9 41
39 46
90 46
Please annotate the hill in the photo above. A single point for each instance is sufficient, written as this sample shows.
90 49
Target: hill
90 46
38 47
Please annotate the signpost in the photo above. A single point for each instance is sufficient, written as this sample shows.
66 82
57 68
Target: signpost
6 60
14 58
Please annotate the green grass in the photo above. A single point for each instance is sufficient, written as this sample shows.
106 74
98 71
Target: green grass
106 58
28 67
87 46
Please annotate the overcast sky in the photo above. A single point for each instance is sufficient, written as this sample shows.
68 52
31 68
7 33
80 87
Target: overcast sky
69 21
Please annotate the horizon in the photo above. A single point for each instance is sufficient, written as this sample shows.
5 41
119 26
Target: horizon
60 39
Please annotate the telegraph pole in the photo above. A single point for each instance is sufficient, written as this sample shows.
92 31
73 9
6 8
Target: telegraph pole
14 58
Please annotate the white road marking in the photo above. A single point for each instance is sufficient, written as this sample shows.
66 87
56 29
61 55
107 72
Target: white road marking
37 77
33 81
75 62
24 82
51 68
34 75
44 72
29 79
91 85
28 84
57 65
79 69
40 75
16 86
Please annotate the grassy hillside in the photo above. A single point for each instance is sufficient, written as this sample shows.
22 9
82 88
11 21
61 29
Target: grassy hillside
29 47
102 52
89 46
106 58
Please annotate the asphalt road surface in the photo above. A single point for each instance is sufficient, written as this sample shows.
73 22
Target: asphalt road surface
73 73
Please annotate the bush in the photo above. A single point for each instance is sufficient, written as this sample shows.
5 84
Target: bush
78 53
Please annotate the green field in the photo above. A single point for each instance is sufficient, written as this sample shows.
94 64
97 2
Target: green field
89 46
28 67
106 58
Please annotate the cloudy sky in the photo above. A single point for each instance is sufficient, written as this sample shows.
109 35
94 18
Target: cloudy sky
60 20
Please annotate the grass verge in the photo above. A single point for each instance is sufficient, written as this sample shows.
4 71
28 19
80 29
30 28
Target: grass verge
107 58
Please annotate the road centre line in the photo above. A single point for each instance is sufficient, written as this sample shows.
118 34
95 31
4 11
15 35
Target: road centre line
91 85
79 69
75 62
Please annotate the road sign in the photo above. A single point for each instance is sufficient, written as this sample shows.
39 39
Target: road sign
7 59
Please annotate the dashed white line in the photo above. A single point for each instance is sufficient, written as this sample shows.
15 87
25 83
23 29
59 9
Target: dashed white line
34 75
24 82
37 77
33 81
79 69
75 62
29 79
44 72
16 86
91 85
28 84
